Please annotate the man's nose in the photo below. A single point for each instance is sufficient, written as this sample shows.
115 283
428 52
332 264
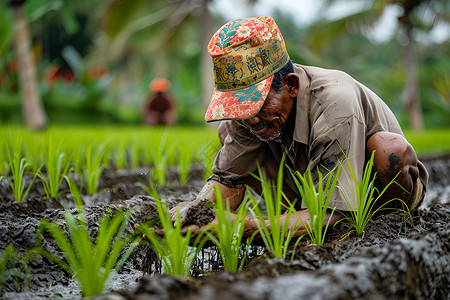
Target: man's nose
252 121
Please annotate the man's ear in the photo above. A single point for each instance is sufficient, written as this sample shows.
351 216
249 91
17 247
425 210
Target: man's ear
292 81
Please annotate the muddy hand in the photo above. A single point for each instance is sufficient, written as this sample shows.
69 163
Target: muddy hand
183 209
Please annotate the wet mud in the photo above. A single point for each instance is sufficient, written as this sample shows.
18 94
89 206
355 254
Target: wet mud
393 259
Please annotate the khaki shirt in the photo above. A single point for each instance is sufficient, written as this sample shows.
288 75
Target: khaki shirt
334 113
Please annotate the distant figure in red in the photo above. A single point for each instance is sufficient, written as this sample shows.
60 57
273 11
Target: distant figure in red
160 108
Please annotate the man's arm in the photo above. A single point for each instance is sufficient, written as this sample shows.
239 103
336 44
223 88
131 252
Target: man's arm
234 196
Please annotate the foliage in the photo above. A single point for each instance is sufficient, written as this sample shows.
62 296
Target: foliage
160 154
119 156
150 189
157 35
92 263
173 249
359 216
207 154
6 28
133 153
424 142
184 162
91 166
4 165
227 234
7 265
275 237
56 166
316 200
18 166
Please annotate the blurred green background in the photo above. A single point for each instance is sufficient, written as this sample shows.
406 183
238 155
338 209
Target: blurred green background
95 59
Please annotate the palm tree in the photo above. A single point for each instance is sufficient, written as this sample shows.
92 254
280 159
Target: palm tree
409 21
170 17
33 110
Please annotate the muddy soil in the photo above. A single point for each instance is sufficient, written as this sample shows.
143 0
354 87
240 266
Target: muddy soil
389 261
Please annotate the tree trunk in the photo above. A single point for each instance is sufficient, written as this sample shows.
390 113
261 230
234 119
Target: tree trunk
206 67
411 92
32 108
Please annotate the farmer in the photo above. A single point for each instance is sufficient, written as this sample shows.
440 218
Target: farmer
270 107
159 108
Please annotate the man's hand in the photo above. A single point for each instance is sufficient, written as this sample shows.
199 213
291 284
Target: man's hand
196 214
183 209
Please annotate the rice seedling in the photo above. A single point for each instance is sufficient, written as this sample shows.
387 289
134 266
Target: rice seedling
75 192
133 153
207 156
184 162
91 263
150 189
4 166
160 155
119 155
7 265
56 166
276 238
33 152
365 192
173 249
18 166
92 166
227 235
316 199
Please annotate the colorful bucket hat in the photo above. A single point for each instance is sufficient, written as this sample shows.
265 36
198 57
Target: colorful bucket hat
246 53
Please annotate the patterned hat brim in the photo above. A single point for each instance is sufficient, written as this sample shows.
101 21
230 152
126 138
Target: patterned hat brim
239 104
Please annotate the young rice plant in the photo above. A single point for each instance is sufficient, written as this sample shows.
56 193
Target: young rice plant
18 165
173 249
7 265
316 200
184 162
93 264
359 216
227 234
275 237
91 167
57 167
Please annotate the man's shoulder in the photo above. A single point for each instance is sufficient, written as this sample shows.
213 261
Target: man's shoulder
329 84
321 75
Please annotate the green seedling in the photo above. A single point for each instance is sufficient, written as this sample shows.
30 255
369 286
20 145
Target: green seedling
150 189
160 156
133 152
184 162
173 249
227 235
57 167
92 263
7 265
207 158
75 191
275 237
18 165
33 152
92 167
316 199
359 216
120 155
4 166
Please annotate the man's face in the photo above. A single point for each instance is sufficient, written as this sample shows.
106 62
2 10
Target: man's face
268 124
